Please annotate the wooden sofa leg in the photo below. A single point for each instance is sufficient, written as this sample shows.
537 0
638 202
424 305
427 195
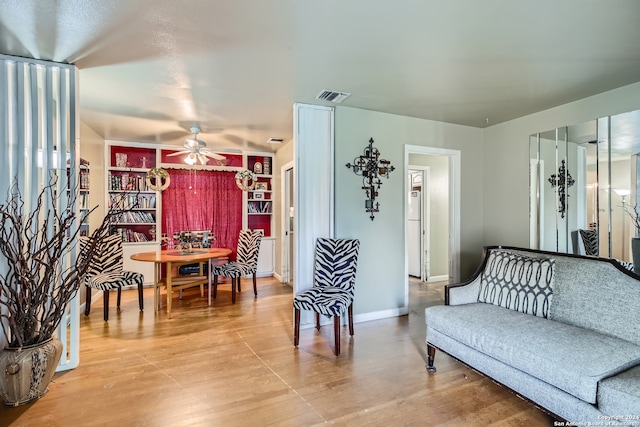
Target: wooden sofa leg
215 286
296 327
317 321
431 355
350 312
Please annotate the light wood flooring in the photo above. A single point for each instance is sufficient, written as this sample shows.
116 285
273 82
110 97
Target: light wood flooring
235 365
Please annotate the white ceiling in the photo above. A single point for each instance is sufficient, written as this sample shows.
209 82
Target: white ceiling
150 69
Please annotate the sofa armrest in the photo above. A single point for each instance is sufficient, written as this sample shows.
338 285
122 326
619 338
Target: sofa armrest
462 293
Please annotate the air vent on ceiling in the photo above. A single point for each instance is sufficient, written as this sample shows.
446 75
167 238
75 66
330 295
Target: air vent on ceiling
276 140
332 96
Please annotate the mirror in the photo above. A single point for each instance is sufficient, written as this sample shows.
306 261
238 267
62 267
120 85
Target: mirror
583 180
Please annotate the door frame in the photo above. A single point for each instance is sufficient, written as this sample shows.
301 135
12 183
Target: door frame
454 157
284 220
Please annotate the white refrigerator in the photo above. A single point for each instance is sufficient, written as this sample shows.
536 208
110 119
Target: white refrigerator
414 232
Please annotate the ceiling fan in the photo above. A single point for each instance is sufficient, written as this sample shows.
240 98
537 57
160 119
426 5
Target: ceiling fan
197 150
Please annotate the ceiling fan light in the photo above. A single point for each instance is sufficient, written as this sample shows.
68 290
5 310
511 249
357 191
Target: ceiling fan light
190 159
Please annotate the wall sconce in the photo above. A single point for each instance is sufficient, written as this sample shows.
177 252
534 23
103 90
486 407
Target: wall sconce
563 180
371 167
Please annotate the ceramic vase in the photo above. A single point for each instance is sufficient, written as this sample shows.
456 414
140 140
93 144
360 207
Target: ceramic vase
27 371
635 253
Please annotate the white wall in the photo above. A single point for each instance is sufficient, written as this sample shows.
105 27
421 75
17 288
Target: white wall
381 266
92 150
506 160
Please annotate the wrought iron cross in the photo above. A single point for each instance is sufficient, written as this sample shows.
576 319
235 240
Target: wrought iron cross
371 167
563 180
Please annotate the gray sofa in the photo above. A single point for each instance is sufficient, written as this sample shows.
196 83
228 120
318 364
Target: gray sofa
563 331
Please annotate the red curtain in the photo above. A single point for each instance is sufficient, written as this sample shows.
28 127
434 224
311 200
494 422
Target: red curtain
203 200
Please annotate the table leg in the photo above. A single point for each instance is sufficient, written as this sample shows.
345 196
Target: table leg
169 294
156 287
209 274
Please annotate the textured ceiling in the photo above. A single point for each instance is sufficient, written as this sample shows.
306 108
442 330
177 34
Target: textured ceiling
150 69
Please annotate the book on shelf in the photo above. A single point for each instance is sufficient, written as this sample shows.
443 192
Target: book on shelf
266 166
127 182
84 180
131 236
132 201
136 217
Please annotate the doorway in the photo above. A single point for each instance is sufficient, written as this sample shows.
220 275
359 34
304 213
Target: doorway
442 245
418 224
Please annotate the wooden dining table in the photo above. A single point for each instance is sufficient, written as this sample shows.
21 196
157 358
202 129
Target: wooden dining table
173 258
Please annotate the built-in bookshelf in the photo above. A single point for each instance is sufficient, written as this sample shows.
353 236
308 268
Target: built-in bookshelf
259 201
127 165
83 196
127 189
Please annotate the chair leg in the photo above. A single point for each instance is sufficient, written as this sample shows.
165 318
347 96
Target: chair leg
239 284
87 303
140 297
215 286
350 311
318 321
296 327
336 332
233 289
255 288
119 297
105 297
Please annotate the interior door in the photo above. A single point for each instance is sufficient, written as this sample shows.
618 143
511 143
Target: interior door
288 229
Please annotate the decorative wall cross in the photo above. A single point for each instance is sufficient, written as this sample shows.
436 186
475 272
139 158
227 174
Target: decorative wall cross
563 180
371 167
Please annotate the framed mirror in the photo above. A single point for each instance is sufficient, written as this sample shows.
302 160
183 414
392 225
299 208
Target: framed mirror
584 187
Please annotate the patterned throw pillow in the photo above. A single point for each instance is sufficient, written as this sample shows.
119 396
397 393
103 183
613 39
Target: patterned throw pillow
518 282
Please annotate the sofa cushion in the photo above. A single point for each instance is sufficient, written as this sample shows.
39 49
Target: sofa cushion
570 358
620 395
518 282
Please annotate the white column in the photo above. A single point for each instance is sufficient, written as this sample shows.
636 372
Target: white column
314 186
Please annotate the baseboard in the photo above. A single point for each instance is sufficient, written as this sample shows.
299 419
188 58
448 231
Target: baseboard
363 317
438 278
383 314
277 276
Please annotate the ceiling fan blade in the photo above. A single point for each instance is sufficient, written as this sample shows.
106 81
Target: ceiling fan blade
214 156
179 153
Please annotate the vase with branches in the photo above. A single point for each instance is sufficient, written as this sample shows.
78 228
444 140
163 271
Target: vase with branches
634 213
38 275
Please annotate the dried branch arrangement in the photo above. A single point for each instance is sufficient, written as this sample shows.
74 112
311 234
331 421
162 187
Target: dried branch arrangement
37 278
634 213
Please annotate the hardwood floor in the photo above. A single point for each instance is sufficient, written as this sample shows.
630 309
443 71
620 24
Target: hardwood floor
235 365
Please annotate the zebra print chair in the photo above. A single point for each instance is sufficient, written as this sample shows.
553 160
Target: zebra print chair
590 241
334 279
105 272
246 263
